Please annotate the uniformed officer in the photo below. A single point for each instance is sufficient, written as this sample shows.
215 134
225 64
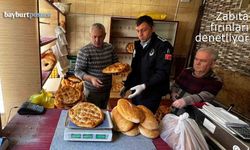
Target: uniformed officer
151 65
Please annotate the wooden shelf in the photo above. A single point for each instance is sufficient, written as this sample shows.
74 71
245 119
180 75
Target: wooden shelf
56 8
44 22
46 27
46 74
46 40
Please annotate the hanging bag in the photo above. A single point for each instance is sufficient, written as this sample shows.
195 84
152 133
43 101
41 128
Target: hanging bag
182 133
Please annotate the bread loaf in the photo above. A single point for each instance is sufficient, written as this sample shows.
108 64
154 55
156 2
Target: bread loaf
47 64
129 111
48 61
149 133
150 121
120 123
132 132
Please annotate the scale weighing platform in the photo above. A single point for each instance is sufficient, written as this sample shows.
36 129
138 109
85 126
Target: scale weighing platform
103 132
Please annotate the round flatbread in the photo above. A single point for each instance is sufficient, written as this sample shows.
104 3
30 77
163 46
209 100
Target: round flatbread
85 114
68 95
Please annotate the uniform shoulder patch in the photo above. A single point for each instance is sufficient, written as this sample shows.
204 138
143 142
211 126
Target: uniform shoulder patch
168 55
161 38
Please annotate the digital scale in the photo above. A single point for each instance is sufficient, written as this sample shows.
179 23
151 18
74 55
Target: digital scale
103 132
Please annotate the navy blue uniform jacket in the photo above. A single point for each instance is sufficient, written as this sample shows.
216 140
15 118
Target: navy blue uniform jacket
151 66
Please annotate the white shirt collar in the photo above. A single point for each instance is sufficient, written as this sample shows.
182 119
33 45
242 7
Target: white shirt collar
144 44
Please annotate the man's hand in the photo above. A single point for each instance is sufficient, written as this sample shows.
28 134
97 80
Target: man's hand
138 89
174 96
123 92
179 103
95 81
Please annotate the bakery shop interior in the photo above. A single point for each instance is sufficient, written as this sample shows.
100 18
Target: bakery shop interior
125 74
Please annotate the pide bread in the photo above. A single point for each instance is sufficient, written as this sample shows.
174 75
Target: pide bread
68 95
85 114
117 67
129 111
150 121
72 81
121 123
116 87
149 133
132 132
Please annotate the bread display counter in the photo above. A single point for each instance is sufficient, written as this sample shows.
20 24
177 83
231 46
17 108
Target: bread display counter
37 131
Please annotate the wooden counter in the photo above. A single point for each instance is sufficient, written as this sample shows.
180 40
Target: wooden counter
36 132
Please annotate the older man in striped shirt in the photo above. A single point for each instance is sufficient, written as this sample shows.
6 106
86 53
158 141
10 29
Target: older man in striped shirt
90 61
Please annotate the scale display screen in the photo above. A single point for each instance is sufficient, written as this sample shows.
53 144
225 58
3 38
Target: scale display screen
101 136
101 133
87 136
75 136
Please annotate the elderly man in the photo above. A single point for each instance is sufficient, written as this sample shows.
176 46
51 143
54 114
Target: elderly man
91 59
197 84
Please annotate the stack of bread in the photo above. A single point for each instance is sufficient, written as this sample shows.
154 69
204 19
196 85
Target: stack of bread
69 93
132 120
48 61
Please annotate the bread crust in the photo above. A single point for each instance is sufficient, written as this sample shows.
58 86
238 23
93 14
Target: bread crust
85 114
150 121
117 67
129 111
130 47
121 123
67 96
133 132
48 61
149 133
73 82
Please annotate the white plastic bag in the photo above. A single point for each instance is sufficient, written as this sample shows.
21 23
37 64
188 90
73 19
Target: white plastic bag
182 133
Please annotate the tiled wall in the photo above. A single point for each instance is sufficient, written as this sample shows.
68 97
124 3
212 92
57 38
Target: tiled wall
78 29
85 12
234 56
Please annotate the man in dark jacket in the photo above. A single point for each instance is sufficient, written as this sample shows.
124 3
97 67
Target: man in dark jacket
151 65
